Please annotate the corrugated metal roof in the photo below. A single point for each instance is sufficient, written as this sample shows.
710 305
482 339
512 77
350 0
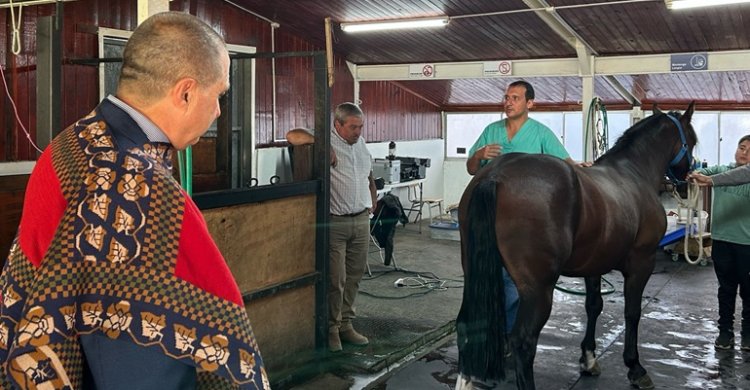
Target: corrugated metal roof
487 30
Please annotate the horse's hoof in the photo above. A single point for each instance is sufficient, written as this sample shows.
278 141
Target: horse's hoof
594 370
589 365
643 383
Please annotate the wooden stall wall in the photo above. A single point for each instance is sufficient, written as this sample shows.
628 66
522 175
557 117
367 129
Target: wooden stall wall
79 82
79 87
269 251
294 102
393 113
294 76
11 203
267 244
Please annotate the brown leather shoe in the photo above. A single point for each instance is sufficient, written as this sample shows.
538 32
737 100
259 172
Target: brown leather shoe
334 342
351 336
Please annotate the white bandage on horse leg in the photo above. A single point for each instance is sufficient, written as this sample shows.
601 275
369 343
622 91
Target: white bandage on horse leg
463 383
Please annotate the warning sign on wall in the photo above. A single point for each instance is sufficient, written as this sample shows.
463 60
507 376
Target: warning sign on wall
497 68
421 71
685 62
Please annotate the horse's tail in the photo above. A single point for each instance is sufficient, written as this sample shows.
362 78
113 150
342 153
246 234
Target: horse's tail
481 321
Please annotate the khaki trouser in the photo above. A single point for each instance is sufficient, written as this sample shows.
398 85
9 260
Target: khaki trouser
349 242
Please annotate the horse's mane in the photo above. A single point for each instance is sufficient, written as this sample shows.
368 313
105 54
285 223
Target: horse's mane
639 136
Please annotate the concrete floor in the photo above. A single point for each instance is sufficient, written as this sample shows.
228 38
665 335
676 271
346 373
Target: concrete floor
413 345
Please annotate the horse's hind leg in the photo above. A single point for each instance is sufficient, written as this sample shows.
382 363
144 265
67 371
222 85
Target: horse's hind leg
594 305
533 312
463 383
634 284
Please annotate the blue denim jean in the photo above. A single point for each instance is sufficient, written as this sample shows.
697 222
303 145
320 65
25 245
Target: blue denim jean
511 301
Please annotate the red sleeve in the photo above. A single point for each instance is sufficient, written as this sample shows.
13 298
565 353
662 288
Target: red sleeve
43 207
199 261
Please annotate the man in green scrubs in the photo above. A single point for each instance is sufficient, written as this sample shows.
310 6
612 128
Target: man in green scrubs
516 133
520 134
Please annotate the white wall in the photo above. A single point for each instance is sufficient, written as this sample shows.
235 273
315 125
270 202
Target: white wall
273 161
455 180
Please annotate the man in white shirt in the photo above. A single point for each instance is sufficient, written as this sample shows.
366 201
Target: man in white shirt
353 195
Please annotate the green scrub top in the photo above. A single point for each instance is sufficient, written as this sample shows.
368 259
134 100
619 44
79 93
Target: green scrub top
533 137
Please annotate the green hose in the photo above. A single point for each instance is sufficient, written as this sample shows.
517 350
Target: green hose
601 145
185 165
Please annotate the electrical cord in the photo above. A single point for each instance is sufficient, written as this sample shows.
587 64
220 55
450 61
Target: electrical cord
425 282
15 110
431 282
609 289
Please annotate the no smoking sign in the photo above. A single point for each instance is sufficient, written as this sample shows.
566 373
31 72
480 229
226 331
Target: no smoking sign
497 68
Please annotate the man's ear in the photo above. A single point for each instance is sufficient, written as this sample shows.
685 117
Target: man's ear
529 104
182 92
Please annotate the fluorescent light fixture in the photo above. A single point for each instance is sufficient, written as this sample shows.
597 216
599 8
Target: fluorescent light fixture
395 24
682 4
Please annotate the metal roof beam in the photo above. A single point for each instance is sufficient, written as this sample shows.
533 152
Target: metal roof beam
622 91
548 14
586 53
470 70
719 61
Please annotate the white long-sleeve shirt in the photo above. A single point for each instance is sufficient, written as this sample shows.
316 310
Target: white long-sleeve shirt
350 183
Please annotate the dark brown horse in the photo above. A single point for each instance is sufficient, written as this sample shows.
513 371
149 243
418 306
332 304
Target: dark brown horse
540 217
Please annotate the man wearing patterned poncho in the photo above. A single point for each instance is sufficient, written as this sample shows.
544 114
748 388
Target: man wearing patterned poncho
113 281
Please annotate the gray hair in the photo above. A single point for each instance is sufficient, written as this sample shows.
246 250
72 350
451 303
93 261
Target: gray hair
167 47
345 110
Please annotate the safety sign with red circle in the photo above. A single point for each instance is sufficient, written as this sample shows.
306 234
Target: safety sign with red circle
504 68
421 71
497 68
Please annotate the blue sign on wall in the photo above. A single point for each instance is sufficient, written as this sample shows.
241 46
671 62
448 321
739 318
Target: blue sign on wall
684 62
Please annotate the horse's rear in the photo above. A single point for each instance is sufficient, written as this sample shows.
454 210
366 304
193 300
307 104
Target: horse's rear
525 207
540 217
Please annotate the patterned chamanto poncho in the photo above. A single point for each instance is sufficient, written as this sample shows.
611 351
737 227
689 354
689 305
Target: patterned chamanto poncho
110 244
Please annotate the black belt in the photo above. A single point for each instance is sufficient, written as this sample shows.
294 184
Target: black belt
351 215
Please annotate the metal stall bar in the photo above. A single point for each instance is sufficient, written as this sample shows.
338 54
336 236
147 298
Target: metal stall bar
321 171
321 176
49 77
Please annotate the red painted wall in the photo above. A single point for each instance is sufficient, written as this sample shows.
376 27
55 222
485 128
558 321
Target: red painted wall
397 115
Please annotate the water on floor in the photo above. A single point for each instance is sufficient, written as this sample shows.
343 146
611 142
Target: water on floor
676 334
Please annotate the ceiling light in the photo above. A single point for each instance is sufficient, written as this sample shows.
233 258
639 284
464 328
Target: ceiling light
682 4
394 24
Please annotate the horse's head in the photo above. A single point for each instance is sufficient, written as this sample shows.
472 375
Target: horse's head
682 160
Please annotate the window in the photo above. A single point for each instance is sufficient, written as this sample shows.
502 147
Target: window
706 126
732 127
463 129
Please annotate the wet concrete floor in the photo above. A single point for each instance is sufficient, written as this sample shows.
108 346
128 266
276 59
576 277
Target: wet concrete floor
677 330
412 342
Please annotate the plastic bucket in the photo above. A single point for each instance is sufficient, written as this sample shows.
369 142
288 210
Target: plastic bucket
683 217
